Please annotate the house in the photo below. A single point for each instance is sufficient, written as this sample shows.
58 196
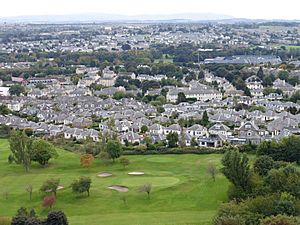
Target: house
82 122
197 131
14 106
286 88
4 91
200 92
220 129
213 141
174 128
108 78
254 83
130 137
279 126
156 129
249 132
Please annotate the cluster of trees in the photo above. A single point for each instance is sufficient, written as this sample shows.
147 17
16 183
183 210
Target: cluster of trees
25 149
265 194
27 217
288 149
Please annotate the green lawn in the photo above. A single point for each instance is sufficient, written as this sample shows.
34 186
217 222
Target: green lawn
182 191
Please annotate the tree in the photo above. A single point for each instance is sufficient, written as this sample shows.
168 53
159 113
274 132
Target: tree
263 165
124 161
205 119
181 97
260 73
126 47
86 160
56 218
83 184
147 189
288 149
49 201
104 157
29 189
43 151
50 186
194 142
172 139
40 86
25 217
212 171
20 146
4 110
286 179
17 90
237 169
144 129
114 149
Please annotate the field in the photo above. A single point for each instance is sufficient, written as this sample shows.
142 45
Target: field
182 190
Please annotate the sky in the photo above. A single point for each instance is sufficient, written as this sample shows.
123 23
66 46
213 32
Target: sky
252 9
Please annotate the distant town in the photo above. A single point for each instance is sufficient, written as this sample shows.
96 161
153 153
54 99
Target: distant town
209 83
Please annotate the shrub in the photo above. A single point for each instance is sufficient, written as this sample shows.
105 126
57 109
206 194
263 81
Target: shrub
280 220
56 218
49 201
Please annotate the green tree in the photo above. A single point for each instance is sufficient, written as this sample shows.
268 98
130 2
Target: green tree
263 165
4 110
205 119
144 129
43 151
212 170
17 90
147 189
124 161
114 149
40 86
260 73
50 186
181 97
83 184
194 142
286 179
172 139
288 149
237 169
20 146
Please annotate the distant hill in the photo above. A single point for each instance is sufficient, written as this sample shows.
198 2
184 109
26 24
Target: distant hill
96 17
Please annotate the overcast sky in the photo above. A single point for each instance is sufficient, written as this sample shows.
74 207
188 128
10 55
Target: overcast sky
253 9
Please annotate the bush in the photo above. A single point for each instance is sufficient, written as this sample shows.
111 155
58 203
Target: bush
56 218
229 220
236 193
280 220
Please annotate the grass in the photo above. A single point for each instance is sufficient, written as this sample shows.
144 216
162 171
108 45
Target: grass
182 191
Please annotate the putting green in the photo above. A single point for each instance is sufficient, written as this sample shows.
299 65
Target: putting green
160 159
154 181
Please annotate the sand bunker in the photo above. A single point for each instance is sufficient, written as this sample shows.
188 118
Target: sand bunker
136 173
119 188
104 174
